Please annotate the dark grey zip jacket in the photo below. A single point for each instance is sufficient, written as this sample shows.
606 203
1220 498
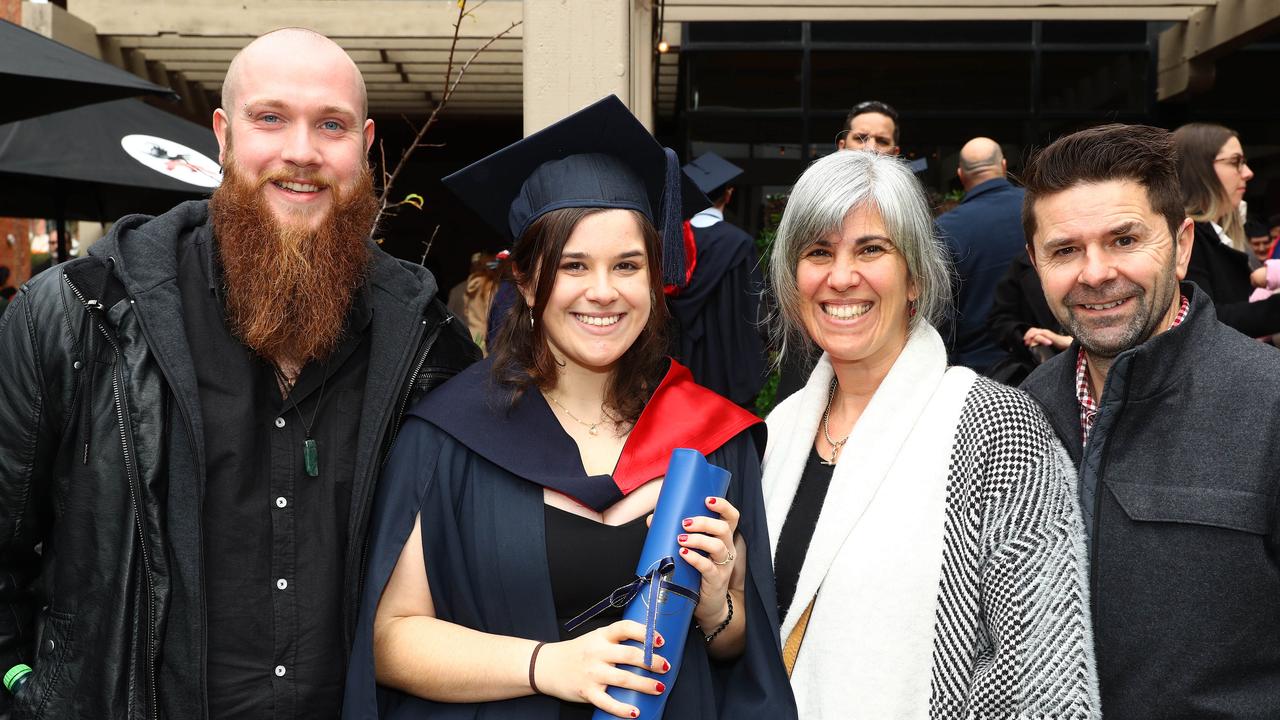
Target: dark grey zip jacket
102 468
1184 458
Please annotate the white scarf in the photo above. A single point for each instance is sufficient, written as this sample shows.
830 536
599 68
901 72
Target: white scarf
875 558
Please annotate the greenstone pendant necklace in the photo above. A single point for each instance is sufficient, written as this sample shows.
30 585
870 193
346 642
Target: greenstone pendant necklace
310 451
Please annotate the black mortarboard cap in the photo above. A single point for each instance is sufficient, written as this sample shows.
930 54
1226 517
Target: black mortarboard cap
711 172
600 156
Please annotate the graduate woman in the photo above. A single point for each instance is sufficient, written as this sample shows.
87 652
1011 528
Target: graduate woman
517 498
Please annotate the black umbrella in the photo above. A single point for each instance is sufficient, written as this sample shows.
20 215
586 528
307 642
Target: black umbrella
103 161
39 76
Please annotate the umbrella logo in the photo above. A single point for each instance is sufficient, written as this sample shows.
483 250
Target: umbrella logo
173 159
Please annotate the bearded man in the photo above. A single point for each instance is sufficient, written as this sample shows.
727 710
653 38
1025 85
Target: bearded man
1167 413
193 417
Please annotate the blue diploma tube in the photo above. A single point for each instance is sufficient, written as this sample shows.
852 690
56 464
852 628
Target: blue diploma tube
689 481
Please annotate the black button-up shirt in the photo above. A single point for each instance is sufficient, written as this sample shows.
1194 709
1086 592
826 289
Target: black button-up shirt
275 539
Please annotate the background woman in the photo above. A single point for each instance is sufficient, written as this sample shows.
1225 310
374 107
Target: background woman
1214 173
927 540
517 498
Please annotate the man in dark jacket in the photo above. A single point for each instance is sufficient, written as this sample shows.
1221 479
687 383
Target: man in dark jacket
1181 509
984 235
195 415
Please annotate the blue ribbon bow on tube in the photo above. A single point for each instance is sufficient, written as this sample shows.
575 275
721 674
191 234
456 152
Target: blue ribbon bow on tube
653 582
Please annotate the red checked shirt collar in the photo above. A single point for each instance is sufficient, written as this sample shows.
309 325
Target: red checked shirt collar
1089 406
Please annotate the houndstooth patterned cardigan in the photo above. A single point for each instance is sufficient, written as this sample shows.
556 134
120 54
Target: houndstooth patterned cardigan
947 570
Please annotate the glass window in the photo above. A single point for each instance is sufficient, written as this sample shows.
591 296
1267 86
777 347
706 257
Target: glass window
1103 81
730 32
1094 32
744 80
925 81
1239 84
921 32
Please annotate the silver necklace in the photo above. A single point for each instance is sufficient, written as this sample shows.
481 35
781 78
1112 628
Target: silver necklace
592 428
836 445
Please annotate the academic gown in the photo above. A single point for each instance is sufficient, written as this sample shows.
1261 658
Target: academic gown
475 468
716 331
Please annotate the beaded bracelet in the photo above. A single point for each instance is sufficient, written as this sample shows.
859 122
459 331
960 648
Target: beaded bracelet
720 628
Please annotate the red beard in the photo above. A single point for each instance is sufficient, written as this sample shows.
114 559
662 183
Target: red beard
289 288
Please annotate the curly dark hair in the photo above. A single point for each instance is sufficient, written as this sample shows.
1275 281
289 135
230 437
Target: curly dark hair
522 357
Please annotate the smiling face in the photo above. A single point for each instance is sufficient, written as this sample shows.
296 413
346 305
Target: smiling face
601 299
1108 264
854 291
296 112
1233 172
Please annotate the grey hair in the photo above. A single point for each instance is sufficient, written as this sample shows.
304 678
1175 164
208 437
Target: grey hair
825 194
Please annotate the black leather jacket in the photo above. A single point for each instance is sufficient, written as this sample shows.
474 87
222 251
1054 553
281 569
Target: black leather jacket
102 469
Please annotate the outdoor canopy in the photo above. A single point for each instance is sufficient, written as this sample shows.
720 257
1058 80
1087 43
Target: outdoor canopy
103 161
40 76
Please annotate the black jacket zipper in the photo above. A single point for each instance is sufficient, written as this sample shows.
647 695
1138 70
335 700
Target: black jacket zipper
427 343
135 483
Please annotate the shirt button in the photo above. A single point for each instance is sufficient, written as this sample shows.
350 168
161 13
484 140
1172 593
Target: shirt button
279 671
279 422
282 583
281 502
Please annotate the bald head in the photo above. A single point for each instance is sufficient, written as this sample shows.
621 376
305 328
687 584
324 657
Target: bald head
980 160
268 50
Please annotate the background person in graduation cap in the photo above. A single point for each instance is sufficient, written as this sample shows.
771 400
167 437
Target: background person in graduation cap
517 498
716 315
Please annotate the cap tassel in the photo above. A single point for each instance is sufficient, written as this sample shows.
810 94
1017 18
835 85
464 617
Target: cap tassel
672 230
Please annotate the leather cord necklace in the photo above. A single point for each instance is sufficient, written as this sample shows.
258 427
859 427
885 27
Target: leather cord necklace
310 452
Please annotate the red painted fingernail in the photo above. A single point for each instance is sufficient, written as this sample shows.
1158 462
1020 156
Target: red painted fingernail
684 551
665 666
635 713
661 688
688 522
683 538
657 641
711 501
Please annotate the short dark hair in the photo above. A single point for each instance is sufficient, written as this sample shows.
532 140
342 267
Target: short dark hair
715 196
874 106
1140 153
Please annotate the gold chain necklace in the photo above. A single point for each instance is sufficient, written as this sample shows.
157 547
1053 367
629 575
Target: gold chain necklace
836 445
592 428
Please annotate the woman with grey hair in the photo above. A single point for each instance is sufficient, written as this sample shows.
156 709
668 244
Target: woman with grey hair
928 546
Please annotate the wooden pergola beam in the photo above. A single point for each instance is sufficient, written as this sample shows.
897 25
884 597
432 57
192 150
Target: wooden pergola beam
931 10
250 18
1188 51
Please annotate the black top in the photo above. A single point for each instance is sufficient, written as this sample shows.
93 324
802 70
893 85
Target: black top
587 561
1222 272
797 529
274 538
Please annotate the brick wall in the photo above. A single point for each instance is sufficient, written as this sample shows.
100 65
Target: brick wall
15 249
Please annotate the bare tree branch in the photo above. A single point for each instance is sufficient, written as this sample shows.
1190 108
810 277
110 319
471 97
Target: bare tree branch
450 85
435 232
